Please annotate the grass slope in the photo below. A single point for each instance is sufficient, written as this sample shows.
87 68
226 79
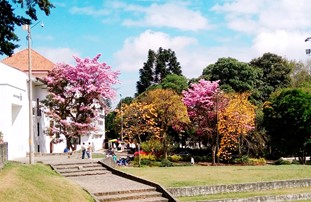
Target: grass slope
38 182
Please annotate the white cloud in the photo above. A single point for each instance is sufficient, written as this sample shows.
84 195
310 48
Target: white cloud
288 44
168 15
192 56
279 26
59 55
135 49
259 16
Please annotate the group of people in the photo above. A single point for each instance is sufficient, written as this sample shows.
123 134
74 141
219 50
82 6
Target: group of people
86 150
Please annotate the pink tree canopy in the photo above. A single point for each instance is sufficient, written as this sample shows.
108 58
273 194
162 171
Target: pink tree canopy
201 101
77 93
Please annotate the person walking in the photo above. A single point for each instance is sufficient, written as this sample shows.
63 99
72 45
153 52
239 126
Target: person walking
89 151
83 150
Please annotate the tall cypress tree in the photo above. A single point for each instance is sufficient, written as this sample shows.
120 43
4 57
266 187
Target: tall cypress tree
146 73
157 67
166 63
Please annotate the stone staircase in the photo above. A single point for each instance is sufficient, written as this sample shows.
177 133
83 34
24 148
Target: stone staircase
77 169
142 195
104 185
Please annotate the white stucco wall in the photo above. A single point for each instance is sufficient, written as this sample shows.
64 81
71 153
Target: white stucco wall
14 111
14 117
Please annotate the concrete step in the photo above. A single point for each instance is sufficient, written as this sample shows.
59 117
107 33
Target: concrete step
154 199
124 191
80 168
85 173
136 196
77 162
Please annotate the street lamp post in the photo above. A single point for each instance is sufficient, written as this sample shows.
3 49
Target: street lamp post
308 51
122 143
31 152
31 145
121 118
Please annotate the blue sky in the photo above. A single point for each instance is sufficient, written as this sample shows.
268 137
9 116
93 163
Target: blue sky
199 31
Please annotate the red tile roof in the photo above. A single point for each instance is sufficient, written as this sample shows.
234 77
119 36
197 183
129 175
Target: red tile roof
40 64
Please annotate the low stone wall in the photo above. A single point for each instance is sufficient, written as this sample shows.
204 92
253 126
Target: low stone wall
3 153
205 190
289 197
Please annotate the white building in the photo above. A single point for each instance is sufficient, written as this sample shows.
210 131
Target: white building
14 110
14 116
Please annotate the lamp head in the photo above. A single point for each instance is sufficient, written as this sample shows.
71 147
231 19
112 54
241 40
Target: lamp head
42 24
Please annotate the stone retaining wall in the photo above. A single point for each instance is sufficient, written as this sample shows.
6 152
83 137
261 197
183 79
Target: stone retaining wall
3 153
205 190
289 197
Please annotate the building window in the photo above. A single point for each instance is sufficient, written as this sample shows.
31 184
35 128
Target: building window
38 128
38 108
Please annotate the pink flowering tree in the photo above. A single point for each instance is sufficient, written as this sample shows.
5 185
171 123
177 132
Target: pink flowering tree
201 100
76 95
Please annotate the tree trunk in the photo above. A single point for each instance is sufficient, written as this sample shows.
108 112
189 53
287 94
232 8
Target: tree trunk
165 148
164 141
70 144
139 162
214 155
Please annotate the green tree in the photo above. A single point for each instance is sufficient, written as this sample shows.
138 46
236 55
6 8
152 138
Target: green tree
178 83
166 63
287 120
157 67
146 73
275 73
9 20
111 128
233 75
301 74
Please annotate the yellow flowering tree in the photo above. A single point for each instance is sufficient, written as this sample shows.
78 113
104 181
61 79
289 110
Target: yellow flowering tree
170 110
235 121
138 120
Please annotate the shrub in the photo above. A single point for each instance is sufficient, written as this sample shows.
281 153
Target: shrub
254 162
245 160
185 158
152 145
150 157
296 162
241 160
145 159
166 163
282 162
146 162
174 158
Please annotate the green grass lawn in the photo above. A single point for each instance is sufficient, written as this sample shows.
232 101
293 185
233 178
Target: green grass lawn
36 183
216 175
